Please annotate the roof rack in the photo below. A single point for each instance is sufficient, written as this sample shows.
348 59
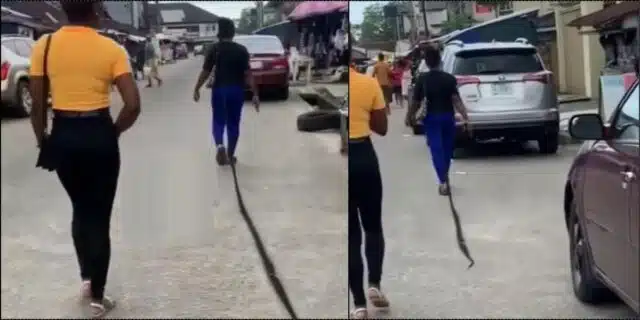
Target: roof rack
522 40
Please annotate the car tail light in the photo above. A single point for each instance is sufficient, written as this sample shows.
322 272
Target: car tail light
280 63
542 77
4 71
462 80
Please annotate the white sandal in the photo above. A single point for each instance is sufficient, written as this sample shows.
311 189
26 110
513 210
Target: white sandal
377 298
99 310
360 313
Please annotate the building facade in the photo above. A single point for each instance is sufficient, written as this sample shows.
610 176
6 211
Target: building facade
185 20
127 12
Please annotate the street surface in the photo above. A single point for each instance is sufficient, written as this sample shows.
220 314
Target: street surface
510 202
180 248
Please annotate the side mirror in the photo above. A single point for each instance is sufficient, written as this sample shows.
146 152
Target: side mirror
587 127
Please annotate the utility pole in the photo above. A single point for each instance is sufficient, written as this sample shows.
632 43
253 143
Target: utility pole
260 13
423 5
147 16
413 33
158 17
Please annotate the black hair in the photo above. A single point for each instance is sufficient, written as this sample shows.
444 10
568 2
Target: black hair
380 56
432 57
226 28
79 10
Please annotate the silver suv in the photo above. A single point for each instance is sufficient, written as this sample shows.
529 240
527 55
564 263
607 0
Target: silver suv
507 90
14 73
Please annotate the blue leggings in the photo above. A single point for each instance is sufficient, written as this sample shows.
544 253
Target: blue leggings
227 105
440 131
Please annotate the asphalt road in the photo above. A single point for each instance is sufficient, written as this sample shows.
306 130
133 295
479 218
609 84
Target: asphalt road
510 201
180 247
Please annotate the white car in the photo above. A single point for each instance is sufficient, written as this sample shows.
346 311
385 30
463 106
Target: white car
14 73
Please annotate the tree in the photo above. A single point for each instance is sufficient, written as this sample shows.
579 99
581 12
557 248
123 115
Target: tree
374 26
248 21
456 22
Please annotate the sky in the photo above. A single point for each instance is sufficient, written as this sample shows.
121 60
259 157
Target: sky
356 10
228 9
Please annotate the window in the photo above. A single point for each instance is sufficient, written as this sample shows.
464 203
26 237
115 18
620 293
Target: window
23 49
627 121
497 61
10 44
261 45
505 7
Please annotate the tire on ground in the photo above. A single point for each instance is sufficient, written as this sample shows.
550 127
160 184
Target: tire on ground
318 120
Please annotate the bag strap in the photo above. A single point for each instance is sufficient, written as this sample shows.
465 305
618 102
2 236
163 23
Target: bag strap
45 71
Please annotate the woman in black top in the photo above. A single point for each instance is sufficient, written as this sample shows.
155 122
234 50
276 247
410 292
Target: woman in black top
440 89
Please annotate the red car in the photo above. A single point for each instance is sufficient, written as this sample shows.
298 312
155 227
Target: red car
269 63
602 205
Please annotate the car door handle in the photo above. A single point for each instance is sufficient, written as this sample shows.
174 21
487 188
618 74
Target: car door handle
628 176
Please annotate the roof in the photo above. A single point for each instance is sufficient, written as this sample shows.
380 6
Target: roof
181 13
42 11
28 22
608 14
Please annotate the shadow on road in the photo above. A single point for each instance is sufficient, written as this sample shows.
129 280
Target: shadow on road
482 151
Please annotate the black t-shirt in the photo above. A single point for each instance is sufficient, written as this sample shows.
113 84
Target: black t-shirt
438 88
231 61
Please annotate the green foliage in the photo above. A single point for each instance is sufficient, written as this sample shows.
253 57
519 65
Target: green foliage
374 26
248 22
457 22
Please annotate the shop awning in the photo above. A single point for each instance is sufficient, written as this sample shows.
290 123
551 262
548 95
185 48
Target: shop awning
308 9
27 22
614 12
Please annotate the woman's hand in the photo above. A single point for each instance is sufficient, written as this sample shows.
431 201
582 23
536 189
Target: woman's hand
196 95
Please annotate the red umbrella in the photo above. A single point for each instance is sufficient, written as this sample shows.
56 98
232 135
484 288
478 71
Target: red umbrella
308 9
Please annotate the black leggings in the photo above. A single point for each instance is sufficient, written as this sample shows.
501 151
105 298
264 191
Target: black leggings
88 170
365 209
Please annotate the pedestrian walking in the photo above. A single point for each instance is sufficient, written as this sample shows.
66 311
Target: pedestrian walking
82 148
382 72
440 92
231 73
366 114
407 78
140 61
396 81
152 58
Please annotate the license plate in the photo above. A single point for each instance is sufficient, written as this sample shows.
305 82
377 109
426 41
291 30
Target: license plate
256 64
501 89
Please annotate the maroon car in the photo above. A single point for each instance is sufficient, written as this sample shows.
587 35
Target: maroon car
602 205
269 63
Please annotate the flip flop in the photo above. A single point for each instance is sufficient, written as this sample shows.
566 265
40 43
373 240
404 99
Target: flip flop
377 298
359 313
99 310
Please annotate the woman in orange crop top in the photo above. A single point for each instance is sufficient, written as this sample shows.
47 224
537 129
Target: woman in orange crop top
83 144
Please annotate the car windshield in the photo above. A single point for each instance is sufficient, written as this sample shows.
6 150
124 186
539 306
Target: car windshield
257 45
630 110
497 61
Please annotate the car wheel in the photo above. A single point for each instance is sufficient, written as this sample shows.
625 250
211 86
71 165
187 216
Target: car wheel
318 120
586 286
24 100
549 143
283 93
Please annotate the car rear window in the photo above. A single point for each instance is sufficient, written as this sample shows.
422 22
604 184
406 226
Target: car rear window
497 61
258 45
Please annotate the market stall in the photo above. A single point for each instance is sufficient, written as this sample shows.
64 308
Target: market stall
322 26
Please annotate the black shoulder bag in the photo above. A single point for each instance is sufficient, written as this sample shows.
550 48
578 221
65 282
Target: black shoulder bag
47 158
